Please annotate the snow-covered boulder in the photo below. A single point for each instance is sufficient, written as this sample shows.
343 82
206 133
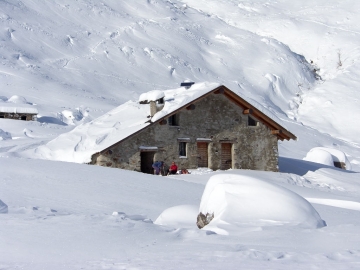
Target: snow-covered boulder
231 201
71 117
329 157
3 208
17 100
4 135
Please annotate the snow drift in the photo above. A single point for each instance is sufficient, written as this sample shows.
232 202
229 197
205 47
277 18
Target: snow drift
245 201
181 216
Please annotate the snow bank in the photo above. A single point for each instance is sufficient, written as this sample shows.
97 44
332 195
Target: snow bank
245 201
327 156
180 216
3 208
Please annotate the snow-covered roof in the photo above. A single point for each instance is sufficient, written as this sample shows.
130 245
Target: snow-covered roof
18 109
87 139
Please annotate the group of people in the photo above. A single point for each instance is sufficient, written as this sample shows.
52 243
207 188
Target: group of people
158 167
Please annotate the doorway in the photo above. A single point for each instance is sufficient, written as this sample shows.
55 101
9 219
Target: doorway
202 148
147 160
226 156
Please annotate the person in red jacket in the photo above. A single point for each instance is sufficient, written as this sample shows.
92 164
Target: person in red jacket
173 168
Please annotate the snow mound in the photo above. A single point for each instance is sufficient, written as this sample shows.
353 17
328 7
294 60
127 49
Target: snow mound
71 117
4 135
17 100
245 201
181 216
327 156
3 208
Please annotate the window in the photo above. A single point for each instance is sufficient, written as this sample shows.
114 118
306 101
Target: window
252 122
182 149
174 120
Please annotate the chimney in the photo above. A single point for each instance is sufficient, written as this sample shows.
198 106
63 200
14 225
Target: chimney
156 106
187 85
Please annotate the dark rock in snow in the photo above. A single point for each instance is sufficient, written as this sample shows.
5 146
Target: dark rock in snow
203 220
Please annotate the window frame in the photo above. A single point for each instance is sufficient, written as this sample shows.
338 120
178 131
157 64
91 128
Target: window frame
183 149
252 122
173 120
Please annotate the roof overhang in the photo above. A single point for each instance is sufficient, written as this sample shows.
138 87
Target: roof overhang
276 129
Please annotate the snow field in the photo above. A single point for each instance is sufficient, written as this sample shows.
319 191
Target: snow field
63 215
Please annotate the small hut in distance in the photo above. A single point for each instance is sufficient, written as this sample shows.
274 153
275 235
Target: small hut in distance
18 112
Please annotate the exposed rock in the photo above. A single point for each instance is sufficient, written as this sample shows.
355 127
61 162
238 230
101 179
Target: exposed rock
203 220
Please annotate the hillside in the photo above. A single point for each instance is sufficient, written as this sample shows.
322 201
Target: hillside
74 61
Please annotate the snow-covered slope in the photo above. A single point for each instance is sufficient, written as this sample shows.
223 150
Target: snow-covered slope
327 34
74 61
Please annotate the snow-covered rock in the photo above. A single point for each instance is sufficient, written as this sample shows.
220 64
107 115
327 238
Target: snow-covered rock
244 201
328 156
71 117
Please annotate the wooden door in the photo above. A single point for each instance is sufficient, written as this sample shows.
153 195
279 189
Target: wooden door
202 148
226 156
147 160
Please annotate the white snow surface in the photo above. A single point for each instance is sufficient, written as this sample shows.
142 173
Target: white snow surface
297 59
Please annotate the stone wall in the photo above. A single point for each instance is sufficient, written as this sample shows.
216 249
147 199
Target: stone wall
214 119
18 116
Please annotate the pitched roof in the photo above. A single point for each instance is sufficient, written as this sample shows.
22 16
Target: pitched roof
131 117
17 109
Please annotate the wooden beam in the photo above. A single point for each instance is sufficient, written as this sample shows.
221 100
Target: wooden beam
248 111
190 107
274 132
219 91
163 122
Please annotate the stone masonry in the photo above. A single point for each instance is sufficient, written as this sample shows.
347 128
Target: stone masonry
214 119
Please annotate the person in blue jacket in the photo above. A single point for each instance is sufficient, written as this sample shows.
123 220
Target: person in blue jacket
158 165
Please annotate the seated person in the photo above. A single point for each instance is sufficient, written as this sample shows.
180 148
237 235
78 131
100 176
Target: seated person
173 168
185 171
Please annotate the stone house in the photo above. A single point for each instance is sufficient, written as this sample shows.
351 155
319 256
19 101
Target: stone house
199 125
18 113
